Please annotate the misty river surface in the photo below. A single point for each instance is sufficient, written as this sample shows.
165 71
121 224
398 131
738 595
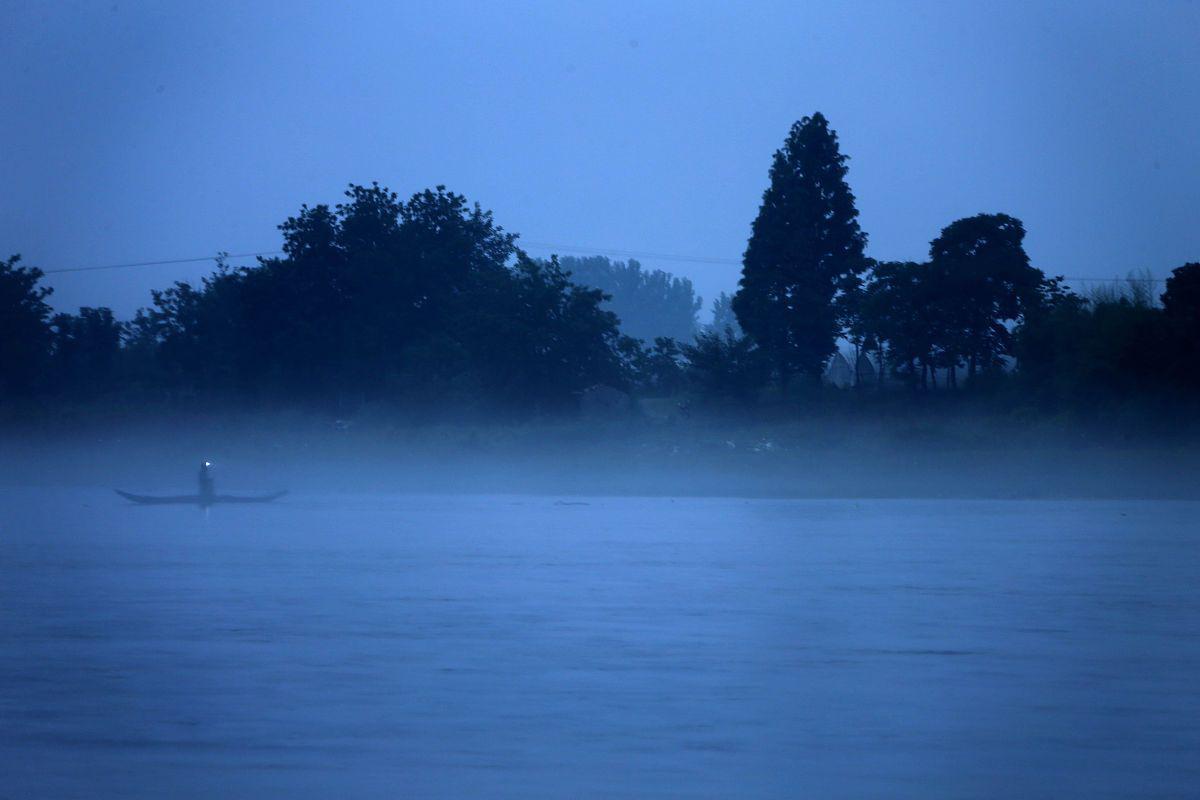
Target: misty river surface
382 645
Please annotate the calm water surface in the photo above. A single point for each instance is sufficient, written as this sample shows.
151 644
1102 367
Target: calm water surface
395 646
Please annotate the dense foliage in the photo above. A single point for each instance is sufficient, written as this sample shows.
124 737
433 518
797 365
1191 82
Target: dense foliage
24 332
1092 354
428 303
959 309
425 300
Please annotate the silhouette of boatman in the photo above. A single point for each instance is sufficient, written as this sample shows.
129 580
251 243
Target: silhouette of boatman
208 494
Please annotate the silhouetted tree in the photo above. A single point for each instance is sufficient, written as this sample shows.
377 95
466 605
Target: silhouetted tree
203 339
724 365
662 369
24 328
372 296
547 339
649 303
86 348
983 283
1085 354
375 294
853 325
897 310
1181 300
378 298
142 369
805 248
1181 305
418 276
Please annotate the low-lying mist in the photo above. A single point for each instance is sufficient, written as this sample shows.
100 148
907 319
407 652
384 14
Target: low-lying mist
927 455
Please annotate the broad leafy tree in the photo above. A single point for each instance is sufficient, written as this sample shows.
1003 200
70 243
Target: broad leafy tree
24 327
1181 300
897 312
424 301
983 283
725 365
86 351
1181 304
546 339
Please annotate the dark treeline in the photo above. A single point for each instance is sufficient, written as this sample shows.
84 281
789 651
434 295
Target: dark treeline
427 302
424 300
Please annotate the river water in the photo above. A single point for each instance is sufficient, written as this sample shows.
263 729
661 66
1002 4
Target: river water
505 646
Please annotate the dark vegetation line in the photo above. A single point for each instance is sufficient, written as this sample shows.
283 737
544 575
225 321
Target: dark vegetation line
427 303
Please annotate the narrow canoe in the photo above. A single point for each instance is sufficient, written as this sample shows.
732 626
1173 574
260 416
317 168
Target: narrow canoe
197 500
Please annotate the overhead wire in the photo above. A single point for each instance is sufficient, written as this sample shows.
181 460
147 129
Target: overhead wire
192 260
611 251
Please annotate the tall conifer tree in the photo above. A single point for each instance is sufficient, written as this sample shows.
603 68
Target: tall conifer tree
805 249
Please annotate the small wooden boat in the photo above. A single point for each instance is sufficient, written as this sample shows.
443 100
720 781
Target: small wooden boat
197 500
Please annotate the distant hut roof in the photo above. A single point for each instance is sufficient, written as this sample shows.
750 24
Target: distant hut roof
838 372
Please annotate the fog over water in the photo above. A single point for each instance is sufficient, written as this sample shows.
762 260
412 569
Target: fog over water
463 631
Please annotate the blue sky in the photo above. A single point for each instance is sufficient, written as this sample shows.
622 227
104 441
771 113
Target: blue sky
138 131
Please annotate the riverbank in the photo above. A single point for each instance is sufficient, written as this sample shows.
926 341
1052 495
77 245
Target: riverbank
827 455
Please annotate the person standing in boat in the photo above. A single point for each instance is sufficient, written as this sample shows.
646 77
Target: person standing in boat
207 492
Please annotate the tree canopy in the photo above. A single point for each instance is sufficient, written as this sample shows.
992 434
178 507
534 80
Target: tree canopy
421 299
983 282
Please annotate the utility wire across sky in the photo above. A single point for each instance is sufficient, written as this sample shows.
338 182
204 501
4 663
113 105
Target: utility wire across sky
572 248
195 260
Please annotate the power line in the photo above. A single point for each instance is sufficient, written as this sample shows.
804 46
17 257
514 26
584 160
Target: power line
548 245
1114 280
613 251
195 260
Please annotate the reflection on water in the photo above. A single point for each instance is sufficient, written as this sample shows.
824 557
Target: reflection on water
395 646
